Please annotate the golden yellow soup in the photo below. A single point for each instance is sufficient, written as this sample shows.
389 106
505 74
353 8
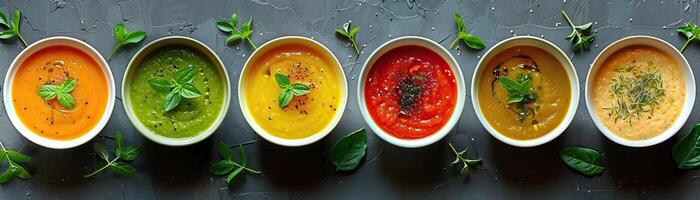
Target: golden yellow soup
305 115
638 92
546 100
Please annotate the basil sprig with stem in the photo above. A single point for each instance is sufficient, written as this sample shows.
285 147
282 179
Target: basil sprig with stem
14 168
581 40
460 157
122 155
520 93
472 41
686 152
347 152
236 33
289 89
61 92
125 37
11 26
690 31
178 87
584 160
227 166
350 32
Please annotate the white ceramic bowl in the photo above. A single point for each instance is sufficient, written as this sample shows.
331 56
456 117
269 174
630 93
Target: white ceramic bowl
438 49
313 45
669 50
563 60
147 50
33 48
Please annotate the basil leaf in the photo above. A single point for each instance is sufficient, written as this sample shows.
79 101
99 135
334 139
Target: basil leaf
247 26
353 32
21 172
129 153
686 152
172 99
134 37
185 75
342 32
101 151
299 89
346 27
585 160
47 92
122 168
3 20
160 84
224 26
68 86
687 30
471 40
233 37
118 144
7 175
284 98
7 34
16 21
2 155
242 158
222 167
120 33
65 100
464 170
347 152
281 80
510 85
234 20
233 174
245 34
224 151
460 23
17 156
189 91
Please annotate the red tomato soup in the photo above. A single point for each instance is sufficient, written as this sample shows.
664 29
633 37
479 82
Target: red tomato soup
411 92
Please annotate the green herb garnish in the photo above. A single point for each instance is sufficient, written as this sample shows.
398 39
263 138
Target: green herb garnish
520 93
347 152
12 27
460 157
691 32
289 89
60 92
178 87
349 32
227 165
122 155
472 41
237 34
584 160
581 40
686 152
636 94
14 168
409 92
125 37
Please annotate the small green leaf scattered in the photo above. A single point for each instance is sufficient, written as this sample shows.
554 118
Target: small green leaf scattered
289 90
578 36
178 87
472 41
347 152
125 37
520 93
226 166
11 26
690 31
460 157
584 160
14 168
60 92
686 152
123 155
236 33
350 32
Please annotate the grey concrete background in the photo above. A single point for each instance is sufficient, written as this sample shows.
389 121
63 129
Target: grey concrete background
388 172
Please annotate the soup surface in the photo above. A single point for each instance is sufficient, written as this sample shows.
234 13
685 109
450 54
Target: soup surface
524 92
305 115
52 66
411 92
192 116
638 92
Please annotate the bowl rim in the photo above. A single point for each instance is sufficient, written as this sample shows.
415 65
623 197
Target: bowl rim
21 58
149 48
261 50
459 78
573 103
689 83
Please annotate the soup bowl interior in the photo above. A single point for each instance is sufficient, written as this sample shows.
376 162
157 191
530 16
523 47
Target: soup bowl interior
559 56
675 55
260 52
445 55
17 63
145 52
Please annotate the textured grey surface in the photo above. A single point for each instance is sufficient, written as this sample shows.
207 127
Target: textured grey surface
388 172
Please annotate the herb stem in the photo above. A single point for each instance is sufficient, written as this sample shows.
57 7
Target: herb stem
247 169
687 42
251 43
103 168
568 20
454 43
22 38
355 45
112 53
455 151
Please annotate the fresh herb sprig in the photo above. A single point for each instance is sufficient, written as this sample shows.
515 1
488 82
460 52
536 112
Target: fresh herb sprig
690 31
584 160
289 89
178 87
578 34
236 33
227 166
125 37
11 27
350 32
61 92
520 93
472 41
14 168
635 94
460 157
347 152
122 155
686 152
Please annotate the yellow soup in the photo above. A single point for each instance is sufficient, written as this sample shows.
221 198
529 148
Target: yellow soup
305 115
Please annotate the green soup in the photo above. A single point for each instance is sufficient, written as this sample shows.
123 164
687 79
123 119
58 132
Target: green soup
192 116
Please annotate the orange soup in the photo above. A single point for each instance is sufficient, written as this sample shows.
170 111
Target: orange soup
52 66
